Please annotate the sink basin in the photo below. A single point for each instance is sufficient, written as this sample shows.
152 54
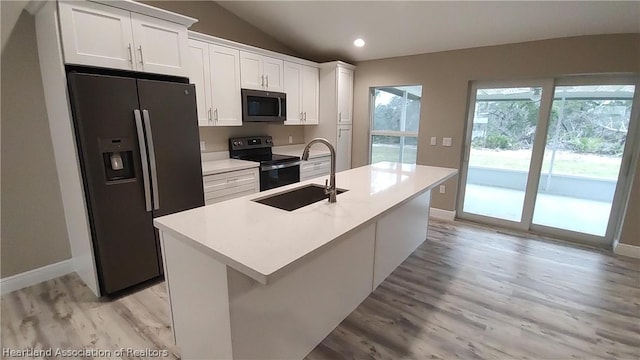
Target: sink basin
296 198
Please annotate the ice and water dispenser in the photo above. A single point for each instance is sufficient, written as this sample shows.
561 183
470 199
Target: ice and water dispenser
117 156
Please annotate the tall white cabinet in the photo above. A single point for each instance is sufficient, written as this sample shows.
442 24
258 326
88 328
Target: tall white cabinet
336 110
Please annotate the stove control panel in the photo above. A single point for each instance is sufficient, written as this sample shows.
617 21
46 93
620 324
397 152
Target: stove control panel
252 142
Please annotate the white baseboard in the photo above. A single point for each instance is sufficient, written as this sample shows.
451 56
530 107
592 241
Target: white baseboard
447 215
35 276
627 250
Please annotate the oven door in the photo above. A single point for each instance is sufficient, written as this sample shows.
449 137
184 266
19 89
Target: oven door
273 176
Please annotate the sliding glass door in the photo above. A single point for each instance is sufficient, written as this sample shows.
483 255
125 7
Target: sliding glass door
552 157
503 130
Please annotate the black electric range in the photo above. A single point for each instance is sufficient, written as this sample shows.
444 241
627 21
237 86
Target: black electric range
275 169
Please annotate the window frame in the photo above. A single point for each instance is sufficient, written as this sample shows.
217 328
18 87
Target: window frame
400 134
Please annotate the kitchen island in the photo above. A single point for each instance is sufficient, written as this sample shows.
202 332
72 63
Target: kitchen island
250 281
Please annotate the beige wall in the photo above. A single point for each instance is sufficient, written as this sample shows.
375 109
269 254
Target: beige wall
631 228
33 227
215 138
445 79
215 20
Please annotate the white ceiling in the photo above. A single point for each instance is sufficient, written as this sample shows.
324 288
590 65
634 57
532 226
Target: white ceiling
325 30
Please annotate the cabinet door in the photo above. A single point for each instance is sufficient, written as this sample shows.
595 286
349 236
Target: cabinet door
224 63
273 74
292 81
198 71
345 96
97 35
310 95
251 71
160 46
343 150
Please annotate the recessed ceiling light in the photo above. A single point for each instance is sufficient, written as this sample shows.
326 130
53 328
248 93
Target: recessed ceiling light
358 42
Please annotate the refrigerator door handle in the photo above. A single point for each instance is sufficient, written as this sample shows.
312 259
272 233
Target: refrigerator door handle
143 159
152 159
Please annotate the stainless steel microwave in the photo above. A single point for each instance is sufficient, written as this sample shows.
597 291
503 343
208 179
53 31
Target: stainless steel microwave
263 106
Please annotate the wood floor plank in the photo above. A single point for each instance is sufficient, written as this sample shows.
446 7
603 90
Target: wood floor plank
468 292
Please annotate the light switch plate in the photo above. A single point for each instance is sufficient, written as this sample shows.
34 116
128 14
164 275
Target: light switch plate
446 141
290 139
442 189
434 140
202 146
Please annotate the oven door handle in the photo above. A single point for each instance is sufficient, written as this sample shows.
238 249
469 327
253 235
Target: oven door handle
279 166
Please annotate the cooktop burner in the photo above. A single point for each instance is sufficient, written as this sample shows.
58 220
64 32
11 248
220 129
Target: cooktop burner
257 148
267 158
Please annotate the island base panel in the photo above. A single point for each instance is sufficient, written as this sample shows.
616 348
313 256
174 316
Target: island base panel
288 318
198 299
398 234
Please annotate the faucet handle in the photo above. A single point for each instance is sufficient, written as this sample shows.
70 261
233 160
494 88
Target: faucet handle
326 186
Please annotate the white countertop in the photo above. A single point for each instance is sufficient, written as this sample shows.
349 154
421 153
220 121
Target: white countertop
226 165
317 150
260 241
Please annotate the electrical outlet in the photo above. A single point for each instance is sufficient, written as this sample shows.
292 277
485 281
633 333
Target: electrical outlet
442 189
290 139
202 146
434 140
446 141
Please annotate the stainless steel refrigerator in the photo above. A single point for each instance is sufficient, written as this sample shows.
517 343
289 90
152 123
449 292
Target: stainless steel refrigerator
139 152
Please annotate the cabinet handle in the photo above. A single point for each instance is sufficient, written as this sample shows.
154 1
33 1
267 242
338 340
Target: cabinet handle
141 56
267 81
300 116
305 116
339 132
215 114
209 115
130 54
262 81
339 116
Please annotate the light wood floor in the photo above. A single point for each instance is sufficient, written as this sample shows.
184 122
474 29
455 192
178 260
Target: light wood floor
468 292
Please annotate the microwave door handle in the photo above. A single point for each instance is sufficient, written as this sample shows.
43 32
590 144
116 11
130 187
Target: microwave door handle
279 107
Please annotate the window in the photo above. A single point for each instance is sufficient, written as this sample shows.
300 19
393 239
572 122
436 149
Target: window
394 123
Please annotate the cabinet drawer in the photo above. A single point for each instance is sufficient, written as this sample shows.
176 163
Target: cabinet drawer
212 197
315 167
231 179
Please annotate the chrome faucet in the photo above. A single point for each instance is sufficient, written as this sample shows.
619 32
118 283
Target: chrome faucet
331 188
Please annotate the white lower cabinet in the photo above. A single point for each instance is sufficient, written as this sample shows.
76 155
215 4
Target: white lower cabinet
316 167
229 185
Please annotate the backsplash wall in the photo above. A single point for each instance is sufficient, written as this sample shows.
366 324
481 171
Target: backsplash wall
216 137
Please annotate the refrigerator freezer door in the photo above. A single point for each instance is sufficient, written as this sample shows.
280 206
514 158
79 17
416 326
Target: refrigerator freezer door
171 121
122 229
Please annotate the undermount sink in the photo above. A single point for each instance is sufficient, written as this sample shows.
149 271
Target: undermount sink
296 198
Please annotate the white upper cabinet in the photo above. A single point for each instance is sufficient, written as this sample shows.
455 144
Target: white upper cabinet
198 71
260 72
105 36
301 85
95 34
160 46
292 82
215 71
310 94
226 104
345 95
